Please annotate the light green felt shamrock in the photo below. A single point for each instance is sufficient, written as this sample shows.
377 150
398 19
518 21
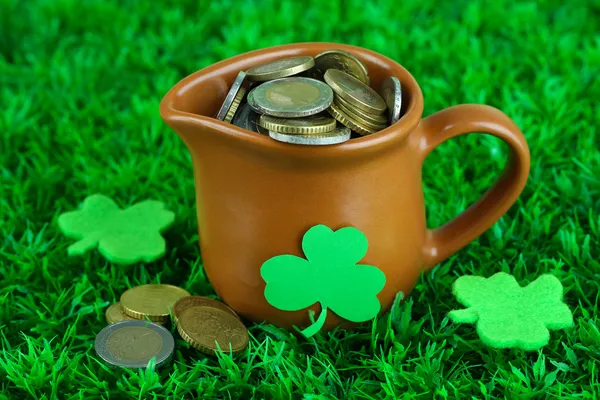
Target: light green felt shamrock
122 236
508 315
330 275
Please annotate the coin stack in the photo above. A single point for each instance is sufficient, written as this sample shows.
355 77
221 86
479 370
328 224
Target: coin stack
312 101
355 104
135 333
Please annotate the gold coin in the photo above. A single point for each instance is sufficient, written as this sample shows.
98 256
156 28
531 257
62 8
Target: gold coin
115 314
348 121
338 135
358 118
280 68
151 301
235 104
342 60
204 327
355 92
313 124
291 97
377 120
193 301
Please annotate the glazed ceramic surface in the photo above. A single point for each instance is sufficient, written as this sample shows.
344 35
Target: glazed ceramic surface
256 197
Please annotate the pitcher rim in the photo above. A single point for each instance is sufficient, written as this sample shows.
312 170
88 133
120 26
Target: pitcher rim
381 139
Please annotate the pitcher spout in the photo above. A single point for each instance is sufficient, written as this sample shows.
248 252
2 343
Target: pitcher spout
191 128
189 106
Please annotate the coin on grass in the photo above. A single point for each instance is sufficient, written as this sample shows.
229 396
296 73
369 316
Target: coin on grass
208 329
338 135
152 301
313 124
133 344
291 97
348 121
115 314
231 95
235 105
246 118
280 68
192 301
370 118
355 92
342 60
391 92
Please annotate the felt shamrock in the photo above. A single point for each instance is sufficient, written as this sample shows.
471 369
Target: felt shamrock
122 236
330 275
508 315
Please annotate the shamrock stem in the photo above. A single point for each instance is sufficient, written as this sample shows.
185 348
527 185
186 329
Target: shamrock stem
83 245
466 316
317 325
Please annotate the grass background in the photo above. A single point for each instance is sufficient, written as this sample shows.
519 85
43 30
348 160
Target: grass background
80 83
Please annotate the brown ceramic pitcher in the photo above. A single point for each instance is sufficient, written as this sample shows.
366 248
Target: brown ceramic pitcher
256 197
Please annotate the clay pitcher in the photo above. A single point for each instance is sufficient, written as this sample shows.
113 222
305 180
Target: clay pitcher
256 197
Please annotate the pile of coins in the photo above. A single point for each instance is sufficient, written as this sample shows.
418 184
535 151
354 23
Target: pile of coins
312 101
135 333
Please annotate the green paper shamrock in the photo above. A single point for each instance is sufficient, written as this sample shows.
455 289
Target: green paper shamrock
122 236
330 275
508 315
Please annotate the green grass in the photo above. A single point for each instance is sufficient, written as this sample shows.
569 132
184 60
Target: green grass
80 83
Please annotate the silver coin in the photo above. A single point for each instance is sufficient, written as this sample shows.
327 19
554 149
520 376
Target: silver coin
246 118
339 135
391 92
237 84
291 97
132 344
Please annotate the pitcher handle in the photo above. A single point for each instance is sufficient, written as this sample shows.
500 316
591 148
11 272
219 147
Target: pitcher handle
442 242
